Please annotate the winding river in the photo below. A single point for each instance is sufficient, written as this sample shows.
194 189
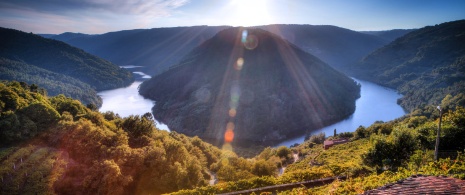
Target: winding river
376 103
127 101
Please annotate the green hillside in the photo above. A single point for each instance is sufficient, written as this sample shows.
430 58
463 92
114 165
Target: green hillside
56 66
424 65
56 145
377 155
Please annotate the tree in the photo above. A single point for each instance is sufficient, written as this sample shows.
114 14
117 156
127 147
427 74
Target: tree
105 178
42 114
284 152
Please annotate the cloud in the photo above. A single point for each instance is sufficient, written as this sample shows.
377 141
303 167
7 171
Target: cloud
113 6
49 15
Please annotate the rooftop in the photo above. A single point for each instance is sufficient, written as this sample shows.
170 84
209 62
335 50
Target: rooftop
420 184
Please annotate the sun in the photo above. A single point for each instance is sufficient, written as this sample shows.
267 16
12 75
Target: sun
249 12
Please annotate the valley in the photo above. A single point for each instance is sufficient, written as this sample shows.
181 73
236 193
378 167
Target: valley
221 109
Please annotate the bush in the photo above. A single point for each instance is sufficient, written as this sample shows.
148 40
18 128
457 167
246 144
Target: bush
318 138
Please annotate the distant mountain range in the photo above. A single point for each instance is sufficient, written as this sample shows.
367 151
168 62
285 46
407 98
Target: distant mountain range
253 83
159 48
389 35
334 45
57 66
154 49
425 65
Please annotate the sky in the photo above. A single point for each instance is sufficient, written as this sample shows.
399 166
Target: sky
101 16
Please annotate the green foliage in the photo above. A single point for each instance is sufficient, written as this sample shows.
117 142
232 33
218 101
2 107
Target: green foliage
284 152
362 132
425 65
318 138
66 104
56 66
24 112
43 115
83 151
390 152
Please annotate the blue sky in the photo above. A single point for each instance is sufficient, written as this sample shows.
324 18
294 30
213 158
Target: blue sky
100 16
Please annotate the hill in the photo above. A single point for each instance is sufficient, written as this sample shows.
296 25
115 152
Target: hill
425 65
59 146
334 45
389 35
155 49
252 85
375 156
57 66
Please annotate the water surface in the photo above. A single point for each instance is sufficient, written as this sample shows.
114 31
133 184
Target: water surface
376 103
127 101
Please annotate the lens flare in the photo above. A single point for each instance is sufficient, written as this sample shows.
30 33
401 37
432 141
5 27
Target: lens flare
229 136
244 36
232 112
251 42
230 125
239 64
227 146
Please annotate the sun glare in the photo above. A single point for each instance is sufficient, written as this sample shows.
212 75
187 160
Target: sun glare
249 12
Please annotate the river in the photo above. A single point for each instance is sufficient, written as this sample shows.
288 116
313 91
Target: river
127 101
376 103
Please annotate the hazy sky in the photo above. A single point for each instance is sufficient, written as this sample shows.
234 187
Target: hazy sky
100 16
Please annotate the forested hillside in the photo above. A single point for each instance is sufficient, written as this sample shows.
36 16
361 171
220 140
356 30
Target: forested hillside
334 45
56 145
424 65
381 154
57 67
155 49
252 85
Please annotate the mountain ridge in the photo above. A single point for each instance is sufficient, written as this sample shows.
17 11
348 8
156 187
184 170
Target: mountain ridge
50 57
149 48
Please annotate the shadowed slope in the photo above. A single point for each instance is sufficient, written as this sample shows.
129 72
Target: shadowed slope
424 65
250 86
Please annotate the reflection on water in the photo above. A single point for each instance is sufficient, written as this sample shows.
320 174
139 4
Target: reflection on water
376 103
127 101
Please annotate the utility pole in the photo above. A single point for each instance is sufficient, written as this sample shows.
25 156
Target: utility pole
436 148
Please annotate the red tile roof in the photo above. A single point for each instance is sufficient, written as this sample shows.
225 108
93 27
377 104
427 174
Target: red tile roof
419 184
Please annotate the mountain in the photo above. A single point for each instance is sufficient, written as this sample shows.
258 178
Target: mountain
389 35
46 35
252 85
334 45
159 48
57 66
155 49
425 65
67 36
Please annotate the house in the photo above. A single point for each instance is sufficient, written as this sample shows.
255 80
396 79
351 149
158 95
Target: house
328 143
